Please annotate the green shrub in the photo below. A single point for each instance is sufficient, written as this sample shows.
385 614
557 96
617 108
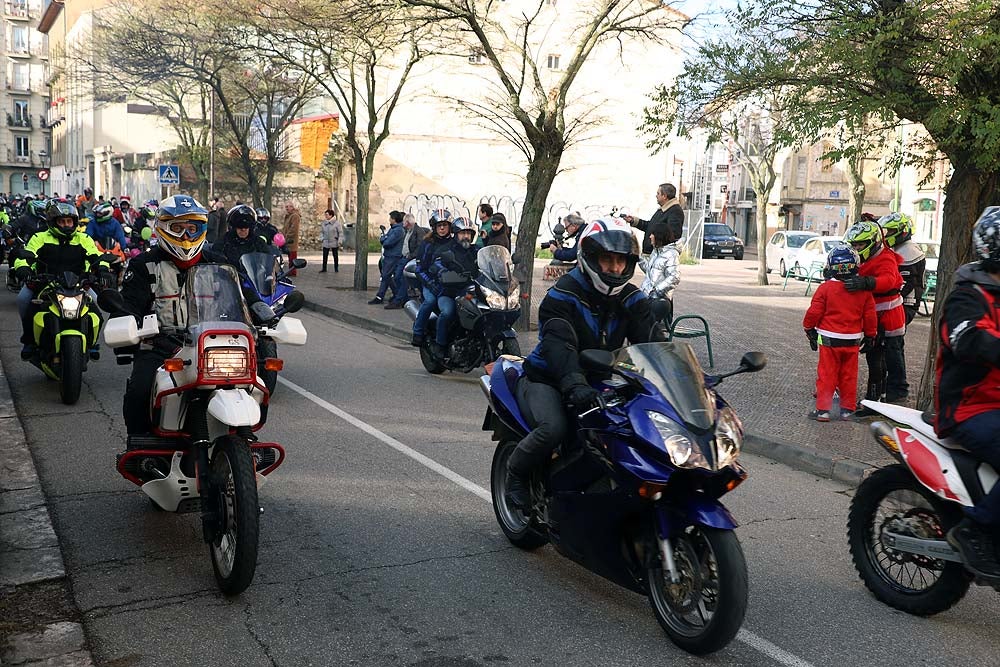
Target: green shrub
543 254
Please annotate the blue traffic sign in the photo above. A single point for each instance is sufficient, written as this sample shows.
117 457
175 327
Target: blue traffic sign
170 174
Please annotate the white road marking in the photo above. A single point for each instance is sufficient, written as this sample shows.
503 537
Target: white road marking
752 640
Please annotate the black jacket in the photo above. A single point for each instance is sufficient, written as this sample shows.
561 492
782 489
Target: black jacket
430 248
673 216
499 237
462 260
574 317
233 247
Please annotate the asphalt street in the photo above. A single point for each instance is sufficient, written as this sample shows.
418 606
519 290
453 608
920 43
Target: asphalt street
378 549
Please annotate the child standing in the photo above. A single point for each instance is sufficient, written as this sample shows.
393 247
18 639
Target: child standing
662 272
836 322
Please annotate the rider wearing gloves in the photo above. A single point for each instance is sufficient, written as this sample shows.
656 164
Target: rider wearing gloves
104 226
967 396
836 322
898 230
879 274
458 256
594 306
58 249
264 225
242 236
436 242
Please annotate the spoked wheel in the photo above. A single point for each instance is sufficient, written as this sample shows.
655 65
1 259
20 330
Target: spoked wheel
891 499
234 550
267 349
704 610
521 529
71 369
431 364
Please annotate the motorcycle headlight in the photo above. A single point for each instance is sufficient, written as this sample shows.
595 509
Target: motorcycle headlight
728 437
224 363
683 452
69 306
513 301
495 300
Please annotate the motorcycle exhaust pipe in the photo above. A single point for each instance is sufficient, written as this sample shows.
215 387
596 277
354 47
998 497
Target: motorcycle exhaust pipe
411 308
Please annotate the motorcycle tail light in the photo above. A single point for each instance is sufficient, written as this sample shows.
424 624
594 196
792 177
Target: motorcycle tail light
272 364
225 363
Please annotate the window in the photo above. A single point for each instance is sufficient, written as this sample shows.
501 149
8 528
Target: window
19 39
21 143
553 62
20 112
800 173
827 163
477 57
19 75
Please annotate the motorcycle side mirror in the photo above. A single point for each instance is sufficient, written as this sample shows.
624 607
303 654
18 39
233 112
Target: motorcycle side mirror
111 301
262 312
753 362
298 263
294 302
597 360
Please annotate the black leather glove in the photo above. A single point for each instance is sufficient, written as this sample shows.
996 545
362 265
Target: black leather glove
23 273
813 337
581 396
857 283
867 343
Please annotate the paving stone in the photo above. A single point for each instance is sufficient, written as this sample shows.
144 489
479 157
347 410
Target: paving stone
58 644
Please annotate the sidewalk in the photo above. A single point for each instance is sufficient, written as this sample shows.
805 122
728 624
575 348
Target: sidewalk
742 316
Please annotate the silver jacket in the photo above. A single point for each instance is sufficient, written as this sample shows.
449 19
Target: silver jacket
662 269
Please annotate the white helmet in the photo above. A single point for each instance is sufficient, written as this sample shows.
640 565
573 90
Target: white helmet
607 235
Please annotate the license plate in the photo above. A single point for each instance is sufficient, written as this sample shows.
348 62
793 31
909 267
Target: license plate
726 250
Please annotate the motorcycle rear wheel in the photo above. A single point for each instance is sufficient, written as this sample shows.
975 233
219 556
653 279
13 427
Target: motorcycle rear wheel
930 586
234 550
71 369
521 529
704 611
267 349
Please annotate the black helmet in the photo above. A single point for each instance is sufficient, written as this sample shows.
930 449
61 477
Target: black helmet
241 216
608 235
986 238
57 210
263 215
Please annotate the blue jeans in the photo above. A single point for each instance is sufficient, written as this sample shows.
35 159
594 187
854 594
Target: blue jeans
979 435
446 309
424 314
399 282
389 277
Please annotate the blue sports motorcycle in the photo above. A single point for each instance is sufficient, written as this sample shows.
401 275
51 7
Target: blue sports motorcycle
634 496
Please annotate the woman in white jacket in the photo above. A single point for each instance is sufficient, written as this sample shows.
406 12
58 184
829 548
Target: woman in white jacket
662 269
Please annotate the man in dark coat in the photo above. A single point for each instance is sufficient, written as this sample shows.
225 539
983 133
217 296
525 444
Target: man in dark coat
670 212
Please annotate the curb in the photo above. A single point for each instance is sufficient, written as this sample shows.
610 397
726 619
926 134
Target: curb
30 555
804 459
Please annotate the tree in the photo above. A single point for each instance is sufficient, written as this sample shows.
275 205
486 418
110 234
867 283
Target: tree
531 110
361 54
930 62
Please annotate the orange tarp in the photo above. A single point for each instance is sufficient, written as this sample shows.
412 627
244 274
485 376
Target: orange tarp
315 140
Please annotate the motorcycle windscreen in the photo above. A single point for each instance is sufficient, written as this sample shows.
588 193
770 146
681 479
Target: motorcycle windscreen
214 295
674 370
261 268
496 269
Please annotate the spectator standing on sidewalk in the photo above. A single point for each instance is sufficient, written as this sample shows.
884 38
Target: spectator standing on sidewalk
411 241
485 213
836 323
216 221
291 228
670 212
499 233
392 254
662 269
332 234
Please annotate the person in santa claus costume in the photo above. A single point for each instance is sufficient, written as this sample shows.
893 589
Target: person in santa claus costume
839 323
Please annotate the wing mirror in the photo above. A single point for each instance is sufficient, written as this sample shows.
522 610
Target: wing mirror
294 301
298 264
753 362
111 301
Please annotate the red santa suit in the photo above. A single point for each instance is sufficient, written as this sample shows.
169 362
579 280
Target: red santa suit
884 267
841 319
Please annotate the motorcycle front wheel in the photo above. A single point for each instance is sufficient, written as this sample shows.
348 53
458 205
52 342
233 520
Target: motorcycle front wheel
703 611
71 369
234 549
431 364
908 582
521 528
267 349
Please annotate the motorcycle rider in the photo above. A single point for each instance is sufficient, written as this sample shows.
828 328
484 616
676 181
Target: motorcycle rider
242 236
103 226
594 306
436 242
58 249
458 256
967 391
879 273
264 225
898 230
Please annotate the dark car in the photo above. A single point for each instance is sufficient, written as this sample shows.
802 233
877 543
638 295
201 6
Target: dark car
721 241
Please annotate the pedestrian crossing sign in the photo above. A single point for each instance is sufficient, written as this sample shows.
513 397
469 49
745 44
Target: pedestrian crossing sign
169 174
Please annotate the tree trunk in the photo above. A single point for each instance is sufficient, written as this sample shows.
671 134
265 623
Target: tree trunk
969 191
361 231
761 221
856 190
541 173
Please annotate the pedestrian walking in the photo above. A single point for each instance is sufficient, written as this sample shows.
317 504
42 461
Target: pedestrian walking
332 235
290 228
839 324
392 254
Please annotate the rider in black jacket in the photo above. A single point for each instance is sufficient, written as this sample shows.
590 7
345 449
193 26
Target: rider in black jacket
458 256
594 306
242 236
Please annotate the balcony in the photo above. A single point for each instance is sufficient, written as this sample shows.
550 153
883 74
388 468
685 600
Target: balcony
16 10
19 122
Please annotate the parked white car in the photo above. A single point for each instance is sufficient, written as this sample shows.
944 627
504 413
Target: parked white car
782 250
815 250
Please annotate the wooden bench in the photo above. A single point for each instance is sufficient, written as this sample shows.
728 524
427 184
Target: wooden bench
677 330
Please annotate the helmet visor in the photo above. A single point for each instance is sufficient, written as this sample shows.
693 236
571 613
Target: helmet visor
185 230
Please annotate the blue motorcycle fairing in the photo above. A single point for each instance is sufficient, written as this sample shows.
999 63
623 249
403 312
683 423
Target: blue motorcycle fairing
636 462
503 379
694 510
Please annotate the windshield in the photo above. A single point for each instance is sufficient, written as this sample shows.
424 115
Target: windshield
673 369
261 268
213 295
718 230
496 269
798 240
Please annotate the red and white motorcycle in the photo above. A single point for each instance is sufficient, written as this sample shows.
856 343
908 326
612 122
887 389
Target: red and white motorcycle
207 403
901 513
